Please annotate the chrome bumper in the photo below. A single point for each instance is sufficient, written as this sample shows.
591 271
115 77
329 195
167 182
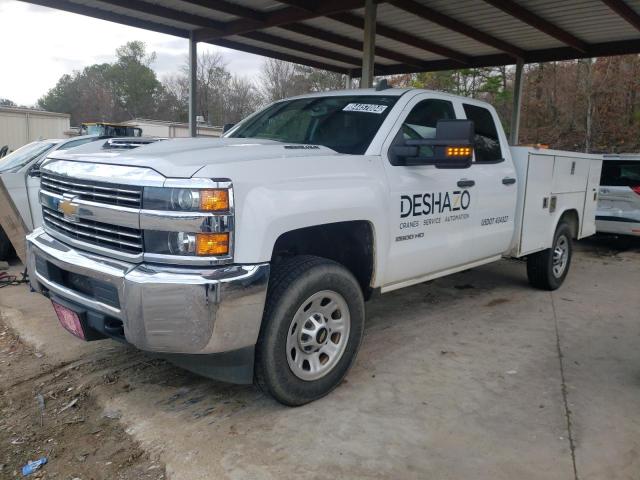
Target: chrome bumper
163 309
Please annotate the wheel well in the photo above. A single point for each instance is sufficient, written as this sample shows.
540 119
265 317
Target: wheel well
571 217
348 243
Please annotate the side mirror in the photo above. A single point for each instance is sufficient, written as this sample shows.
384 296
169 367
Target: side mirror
451 148
227 126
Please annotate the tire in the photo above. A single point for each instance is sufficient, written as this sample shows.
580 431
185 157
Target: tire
548 269
314 307
6 249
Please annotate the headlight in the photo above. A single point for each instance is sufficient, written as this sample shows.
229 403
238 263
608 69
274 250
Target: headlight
186 199
183 243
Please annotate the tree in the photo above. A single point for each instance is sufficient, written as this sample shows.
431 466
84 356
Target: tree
125 89
320 80
5 102
176 105
221 97
280 79
133 81
240 99
87 95
213 78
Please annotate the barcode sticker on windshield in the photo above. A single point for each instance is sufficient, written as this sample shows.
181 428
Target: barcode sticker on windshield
364 107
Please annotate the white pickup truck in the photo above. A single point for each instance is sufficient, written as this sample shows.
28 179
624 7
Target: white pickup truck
249 258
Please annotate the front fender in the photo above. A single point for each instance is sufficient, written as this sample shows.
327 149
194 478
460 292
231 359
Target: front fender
267 210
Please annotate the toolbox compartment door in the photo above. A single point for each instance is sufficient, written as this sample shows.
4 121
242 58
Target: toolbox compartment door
536 222
570 174
588 223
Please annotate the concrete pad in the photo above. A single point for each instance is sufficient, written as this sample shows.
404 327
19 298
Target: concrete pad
599 326
457 378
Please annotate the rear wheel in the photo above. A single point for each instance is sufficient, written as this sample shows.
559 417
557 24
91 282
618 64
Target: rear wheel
548 269
311 330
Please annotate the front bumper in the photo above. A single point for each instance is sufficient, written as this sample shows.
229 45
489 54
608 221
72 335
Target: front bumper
162 309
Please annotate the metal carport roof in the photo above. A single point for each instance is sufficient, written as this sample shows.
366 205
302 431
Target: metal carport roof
411 35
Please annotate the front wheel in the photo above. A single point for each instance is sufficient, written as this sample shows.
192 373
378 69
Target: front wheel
311 329
548 269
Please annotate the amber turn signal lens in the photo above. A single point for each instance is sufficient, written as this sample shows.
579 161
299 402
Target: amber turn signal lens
459 151
214 200
212 244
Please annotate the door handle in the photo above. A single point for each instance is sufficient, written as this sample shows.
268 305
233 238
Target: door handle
508 181
466 183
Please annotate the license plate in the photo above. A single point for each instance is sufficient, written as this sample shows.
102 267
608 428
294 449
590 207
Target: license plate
69 319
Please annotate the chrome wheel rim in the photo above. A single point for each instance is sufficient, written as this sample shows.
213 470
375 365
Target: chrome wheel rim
560 256
318 335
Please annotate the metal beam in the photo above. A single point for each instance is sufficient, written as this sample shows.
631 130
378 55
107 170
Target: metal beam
265 52
167 13
530 18
327 36
625 11
302 47
219 27
455 25
369 44
213 25
517 104
400 36
622 47
193 85
282 16
230 8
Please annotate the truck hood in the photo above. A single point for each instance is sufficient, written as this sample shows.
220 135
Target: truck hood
182 158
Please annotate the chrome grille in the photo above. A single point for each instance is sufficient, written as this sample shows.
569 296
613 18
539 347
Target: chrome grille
114 237
108 193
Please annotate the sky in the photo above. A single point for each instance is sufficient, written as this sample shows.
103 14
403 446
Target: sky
38 45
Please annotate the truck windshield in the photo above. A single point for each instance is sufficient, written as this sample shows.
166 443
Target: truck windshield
346 124
24 155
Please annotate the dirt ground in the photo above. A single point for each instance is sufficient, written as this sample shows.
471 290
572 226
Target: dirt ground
471 376
49 410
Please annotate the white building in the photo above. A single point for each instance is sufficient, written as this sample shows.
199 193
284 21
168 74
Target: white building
19 126
161 128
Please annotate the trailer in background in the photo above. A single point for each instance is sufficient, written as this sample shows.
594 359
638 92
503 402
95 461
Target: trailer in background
166 129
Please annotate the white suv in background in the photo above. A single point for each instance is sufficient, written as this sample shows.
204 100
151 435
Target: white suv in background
619 202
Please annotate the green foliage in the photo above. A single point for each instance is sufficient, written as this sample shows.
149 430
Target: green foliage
125 89
5 102
133 82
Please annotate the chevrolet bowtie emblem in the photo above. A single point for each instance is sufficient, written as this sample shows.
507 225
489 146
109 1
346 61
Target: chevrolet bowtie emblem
69 209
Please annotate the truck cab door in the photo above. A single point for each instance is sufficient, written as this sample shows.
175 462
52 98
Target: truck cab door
432 211
496 188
